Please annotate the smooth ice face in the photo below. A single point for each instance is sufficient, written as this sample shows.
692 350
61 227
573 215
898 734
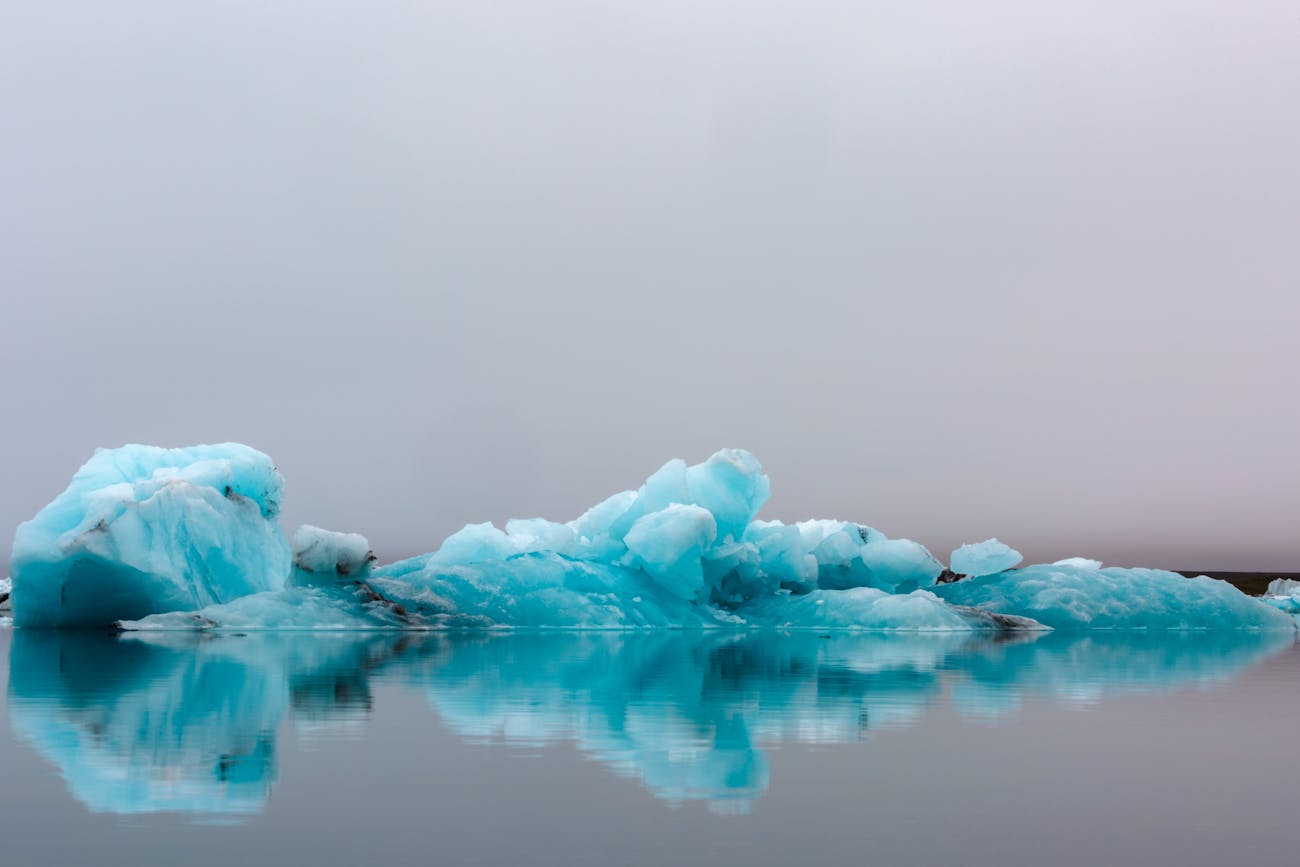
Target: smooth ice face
1066 597
669 545
984 558
323 555
143 529
900 565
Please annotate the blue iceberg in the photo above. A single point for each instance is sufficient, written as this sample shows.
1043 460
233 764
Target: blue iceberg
157 539
1284 595
142 530
1070 597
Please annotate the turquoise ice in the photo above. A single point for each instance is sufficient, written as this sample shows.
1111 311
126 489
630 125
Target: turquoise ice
1070 597
984 558
156 539
143 529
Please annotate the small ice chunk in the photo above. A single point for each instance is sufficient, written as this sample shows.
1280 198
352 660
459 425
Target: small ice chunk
321 552
984 558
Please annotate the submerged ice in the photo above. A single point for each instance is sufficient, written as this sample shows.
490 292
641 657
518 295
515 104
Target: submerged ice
156 539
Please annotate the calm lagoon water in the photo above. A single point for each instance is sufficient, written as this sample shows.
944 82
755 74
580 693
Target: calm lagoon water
574 749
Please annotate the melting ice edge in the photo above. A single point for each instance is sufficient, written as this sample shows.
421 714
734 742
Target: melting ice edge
152 538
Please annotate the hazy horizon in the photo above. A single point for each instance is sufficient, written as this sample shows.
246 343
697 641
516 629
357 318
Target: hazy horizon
1015 270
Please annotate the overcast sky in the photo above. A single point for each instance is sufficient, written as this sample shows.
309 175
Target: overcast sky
951 269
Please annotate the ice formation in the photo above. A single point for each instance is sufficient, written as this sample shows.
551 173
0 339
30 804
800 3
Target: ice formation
1068 597
1284 595
985 558
158 539
142 530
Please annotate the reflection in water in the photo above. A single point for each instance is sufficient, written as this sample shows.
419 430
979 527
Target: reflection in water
188 723
184 724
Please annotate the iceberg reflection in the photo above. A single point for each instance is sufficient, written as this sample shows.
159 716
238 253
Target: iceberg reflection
176 723
188 723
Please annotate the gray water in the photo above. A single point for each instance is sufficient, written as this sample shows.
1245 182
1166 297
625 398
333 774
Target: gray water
682 748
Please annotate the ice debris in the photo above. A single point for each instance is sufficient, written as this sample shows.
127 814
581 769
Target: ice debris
187 539
985 558
142 530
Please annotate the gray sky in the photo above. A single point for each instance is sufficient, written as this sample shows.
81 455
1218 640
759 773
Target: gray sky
950 269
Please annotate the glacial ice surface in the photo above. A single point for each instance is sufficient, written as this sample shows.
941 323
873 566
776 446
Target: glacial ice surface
157 539
142 530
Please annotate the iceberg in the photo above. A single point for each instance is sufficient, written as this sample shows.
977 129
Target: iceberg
1284 595
984 558
143 530
154 539
1068 597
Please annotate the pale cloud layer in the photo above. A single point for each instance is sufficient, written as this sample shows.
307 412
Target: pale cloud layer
951 269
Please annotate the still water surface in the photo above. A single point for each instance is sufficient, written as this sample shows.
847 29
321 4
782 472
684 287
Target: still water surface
649 749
